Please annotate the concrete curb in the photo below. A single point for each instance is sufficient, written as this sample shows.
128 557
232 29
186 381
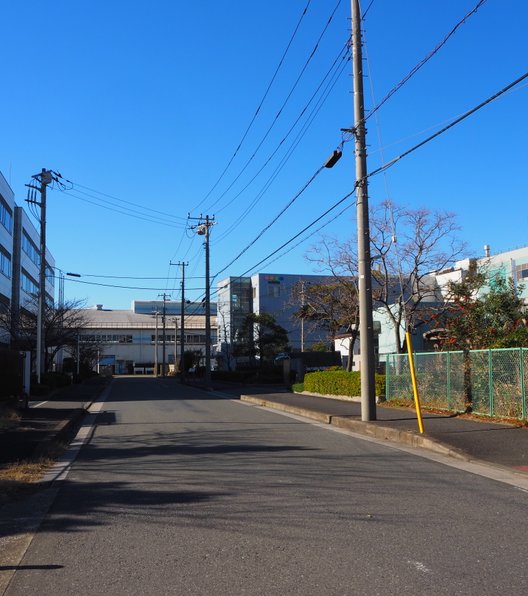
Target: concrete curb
372 429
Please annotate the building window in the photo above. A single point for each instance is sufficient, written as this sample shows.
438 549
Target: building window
274 289
5 262
50 274
28 284
30 248
521 272
6 216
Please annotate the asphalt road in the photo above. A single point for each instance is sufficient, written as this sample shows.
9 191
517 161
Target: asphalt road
179 492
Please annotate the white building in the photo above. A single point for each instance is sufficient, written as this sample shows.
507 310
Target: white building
512 264
20 258
127 337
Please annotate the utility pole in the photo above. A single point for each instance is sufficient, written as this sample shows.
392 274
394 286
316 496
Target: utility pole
366 326
43 179
182 320
203 229
164 346
156 346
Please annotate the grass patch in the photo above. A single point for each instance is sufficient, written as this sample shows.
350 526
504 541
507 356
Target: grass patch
20 478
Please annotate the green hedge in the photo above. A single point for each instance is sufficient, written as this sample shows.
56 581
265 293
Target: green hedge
339 382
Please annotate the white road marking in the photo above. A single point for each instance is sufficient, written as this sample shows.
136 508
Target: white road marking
40 404
419 566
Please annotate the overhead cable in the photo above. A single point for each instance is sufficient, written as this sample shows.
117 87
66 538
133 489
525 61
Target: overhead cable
446 128
257 111
277 116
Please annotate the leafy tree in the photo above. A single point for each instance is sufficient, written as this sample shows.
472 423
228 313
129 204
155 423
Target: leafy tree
260 335
480 318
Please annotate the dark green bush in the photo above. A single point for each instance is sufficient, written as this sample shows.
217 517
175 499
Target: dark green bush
339 382
298 387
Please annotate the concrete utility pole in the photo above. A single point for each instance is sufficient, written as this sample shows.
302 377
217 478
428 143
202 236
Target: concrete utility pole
163 343
156 346
182 321
366 326
44 178
203 229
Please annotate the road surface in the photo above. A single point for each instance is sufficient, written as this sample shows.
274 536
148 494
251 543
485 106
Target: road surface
181 492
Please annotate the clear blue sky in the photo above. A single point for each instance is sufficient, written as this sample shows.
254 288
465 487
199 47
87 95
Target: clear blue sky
147 102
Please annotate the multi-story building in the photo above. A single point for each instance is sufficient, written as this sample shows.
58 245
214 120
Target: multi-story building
265 293
512 264
127 338
20 259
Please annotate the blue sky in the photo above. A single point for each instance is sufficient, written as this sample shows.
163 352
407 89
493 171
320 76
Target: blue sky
142 105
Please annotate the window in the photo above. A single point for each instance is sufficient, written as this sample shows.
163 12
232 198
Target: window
6 216
274 289
28 284
30 248
521 272
50 274
5 262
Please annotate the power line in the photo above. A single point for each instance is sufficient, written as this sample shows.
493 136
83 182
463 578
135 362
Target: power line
424 60
274 220
94 283
343 53
277 116
149 209
130 277
446 128
289 152
128 213
257 111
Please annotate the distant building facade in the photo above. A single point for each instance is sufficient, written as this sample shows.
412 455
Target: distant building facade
270 293
127 338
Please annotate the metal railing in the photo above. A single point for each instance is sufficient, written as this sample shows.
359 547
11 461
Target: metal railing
489 382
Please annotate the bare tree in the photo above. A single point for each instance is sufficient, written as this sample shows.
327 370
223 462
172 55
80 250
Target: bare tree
62 326
333 305
407 246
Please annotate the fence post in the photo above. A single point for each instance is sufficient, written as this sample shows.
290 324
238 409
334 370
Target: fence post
523 388
490 381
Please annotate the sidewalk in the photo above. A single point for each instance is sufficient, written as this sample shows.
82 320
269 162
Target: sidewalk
48 419
457 436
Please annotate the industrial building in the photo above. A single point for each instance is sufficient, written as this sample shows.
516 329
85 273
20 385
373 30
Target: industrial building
127 338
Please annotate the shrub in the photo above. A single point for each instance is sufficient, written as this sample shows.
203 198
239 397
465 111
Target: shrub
339 382
298 387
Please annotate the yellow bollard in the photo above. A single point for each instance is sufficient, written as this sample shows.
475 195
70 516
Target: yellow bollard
414 383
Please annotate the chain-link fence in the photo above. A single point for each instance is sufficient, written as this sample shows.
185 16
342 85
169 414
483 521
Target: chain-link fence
490 382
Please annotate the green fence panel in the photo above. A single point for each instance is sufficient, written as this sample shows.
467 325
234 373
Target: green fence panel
493 382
